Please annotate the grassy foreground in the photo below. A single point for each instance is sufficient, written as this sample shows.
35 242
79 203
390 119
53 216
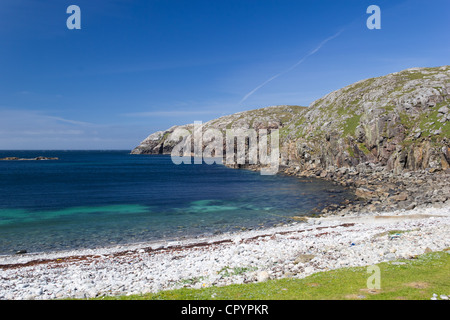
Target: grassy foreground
400 280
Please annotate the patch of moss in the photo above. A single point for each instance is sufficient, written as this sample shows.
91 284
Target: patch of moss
414 75
407 143
429 121
351 124
363 148
342 111
389 108
351 152
363 84
191 281
284 132
406 120
166 135
228 271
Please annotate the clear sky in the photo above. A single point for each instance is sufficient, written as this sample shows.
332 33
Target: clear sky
136 67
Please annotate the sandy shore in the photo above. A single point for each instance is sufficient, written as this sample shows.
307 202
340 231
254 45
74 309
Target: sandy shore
296 250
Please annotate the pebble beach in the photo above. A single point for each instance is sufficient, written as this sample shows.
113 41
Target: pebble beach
297 250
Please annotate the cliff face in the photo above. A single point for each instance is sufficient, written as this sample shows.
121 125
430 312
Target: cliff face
399 121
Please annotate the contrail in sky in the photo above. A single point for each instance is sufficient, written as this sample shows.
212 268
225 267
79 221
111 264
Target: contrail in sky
291 67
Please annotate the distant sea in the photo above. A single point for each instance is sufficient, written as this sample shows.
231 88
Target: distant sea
90 199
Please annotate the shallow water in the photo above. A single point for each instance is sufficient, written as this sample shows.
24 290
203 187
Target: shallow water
90 199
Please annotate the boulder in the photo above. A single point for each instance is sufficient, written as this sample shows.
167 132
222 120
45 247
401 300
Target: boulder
304 258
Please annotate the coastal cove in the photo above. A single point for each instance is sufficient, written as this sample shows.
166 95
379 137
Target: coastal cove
371 188
349 234
234 156
91 199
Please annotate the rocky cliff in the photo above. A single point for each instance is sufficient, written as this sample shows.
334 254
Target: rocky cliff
276 117
399 122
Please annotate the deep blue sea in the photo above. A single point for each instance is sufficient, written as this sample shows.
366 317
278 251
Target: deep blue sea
89 199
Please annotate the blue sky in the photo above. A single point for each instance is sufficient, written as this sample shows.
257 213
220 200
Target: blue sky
136 67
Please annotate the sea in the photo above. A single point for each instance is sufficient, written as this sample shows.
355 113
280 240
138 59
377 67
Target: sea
92 199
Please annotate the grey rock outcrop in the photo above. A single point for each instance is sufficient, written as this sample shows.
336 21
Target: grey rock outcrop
276 117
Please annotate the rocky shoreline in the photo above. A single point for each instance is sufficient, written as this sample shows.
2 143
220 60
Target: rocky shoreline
378 189
296 250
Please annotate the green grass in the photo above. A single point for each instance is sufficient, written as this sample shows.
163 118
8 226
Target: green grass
351 152
432 117
388 109
364 84
363 148
283 113
412 279
407 121
415 75
351 124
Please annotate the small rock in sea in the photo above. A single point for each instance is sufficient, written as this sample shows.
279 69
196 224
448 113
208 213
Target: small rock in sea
21 251
46 158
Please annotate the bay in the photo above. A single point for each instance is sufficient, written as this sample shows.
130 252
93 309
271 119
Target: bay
90 199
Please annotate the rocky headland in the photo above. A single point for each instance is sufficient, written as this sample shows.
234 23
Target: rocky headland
388 138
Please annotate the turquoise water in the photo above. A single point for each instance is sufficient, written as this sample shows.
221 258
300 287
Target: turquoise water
89 199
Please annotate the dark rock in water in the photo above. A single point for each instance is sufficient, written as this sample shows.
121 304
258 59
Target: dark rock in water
46 158
25 159
21 252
